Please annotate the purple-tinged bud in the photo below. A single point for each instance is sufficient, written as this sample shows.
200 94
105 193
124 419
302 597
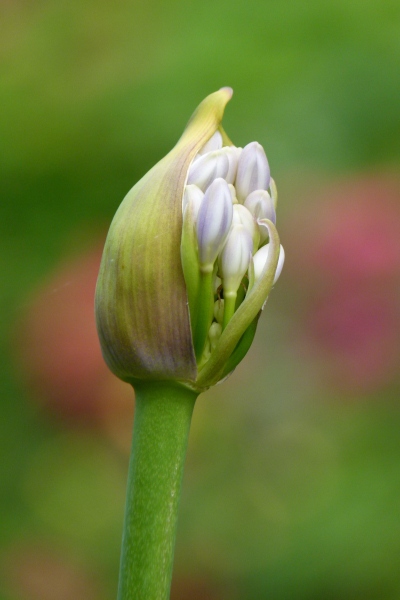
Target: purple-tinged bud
260 258
213 222
234 259
194 196
207 168
253 171
261 206
214 143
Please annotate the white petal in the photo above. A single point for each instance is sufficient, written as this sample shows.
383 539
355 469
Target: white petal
194 196
260 258
207 168
214 143
213 222
233 154
235 257
253 171
242 216
261 206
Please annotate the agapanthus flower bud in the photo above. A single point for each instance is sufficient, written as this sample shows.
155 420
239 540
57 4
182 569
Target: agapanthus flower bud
214 334
253 171
260 258
234 259
211 165
213 222
177 298
192 195
233 154
242 216
261 206
214 143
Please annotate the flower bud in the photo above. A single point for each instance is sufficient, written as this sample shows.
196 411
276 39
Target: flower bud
242 216
261 206
219 310
210 166
260 258
214 334
159 312
194 196
253 171
234 259
213 222
233 154
214 143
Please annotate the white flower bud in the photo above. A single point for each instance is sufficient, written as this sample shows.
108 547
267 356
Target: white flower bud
233 193
241 216
260 258
214 334
194 196
214 143
219 310
261 206
234 258
208 167
233 154
274 192
253 171
213 222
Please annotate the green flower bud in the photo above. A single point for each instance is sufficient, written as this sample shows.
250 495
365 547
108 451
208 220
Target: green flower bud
158 284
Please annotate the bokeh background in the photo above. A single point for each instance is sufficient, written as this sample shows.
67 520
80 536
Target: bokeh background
292 482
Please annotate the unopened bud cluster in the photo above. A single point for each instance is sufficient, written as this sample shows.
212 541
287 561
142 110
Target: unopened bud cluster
182 306
227 198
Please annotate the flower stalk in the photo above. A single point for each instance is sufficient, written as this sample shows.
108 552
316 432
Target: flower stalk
162 420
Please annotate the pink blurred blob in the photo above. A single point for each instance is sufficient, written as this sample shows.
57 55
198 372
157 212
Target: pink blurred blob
60 354
344 258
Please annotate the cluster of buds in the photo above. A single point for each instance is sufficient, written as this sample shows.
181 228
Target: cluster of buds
226 209
190 259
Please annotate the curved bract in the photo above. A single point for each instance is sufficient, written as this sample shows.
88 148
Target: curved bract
141 300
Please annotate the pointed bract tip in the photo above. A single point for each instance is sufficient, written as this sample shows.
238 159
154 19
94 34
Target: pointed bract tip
228 90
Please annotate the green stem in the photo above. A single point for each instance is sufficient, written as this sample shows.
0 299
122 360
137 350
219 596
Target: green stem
204 311
160 434
229 308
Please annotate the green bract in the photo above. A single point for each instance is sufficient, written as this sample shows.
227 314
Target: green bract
154 303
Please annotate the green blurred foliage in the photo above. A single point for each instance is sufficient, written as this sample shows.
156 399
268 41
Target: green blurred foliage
288 493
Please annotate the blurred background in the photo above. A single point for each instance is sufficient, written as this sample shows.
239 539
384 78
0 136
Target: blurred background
292 482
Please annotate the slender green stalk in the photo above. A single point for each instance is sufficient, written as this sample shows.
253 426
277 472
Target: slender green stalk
162 420
229 308
204 311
